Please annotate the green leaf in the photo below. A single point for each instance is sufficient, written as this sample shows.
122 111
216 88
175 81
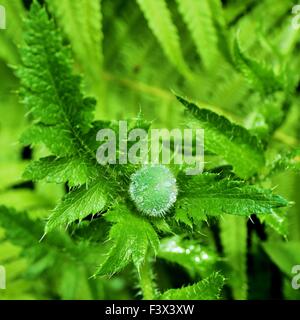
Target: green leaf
230 141
131 236
284 254
162 26
207 289
259 76
21 230
81 21
56 252
199 19
288 161
220 23
162 225
183 214
25 233
60 170
195 258
208 194
78 204
277 221
234 242
59 141
49 90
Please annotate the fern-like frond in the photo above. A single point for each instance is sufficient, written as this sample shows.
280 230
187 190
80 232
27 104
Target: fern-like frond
82 23
199 18
260 76
160 22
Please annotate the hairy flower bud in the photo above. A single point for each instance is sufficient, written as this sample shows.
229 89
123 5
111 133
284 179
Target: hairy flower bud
153 190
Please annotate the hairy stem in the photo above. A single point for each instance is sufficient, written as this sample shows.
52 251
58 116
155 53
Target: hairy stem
146 280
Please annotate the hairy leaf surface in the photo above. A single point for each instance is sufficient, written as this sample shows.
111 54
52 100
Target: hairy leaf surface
228 140
207 194
132 236
78 204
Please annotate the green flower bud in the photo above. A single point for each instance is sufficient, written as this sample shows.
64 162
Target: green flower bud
153 190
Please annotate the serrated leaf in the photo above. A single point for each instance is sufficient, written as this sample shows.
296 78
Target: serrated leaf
56 138
162 225
195 258
259 76
24 232
162 26
81 21
288 161
78 204
277 221
199 18
50 91
234 241
182 215
57 249
60 170
230 141
132 237
207 289
21 230
208 194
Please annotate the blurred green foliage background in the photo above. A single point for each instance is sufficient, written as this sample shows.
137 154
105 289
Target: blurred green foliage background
131 67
